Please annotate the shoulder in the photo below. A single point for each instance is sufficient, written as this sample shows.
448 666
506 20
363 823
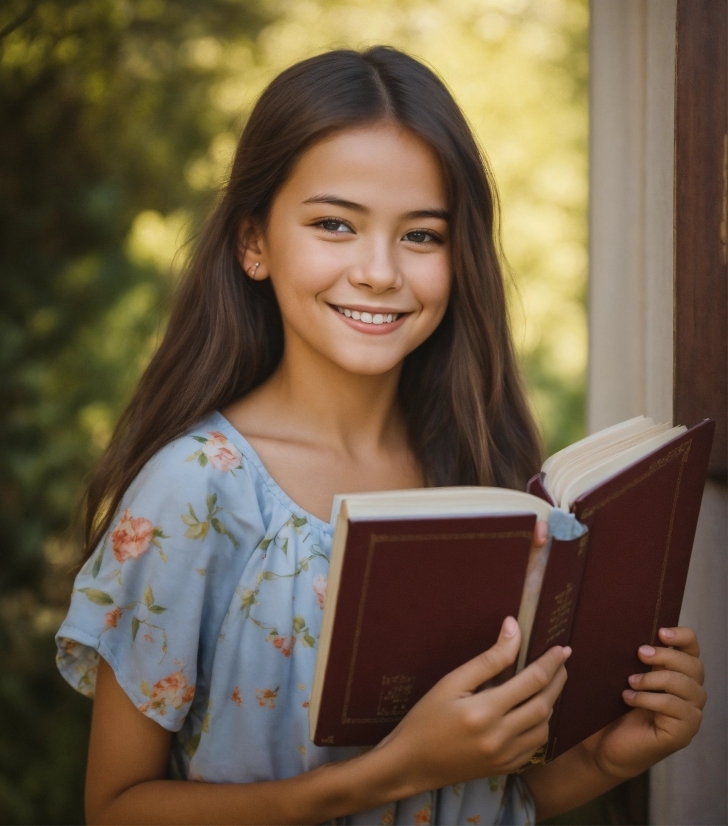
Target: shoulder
197 487
202 460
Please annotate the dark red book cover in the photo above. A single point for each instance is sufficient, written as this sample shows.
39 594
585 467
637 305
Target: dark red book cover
641 529
418 598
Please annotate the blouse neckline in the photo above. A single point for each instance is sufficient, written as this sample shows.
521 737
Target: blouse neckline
237 438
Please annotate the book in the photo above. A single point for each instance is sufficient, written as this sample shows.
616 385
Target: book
421 580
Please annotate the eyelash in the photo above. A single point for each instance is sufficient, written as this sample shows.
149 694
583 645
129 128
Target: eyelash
434 239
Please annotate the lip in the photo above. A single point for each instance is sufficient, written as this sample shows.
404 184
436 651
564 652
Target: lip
370 329
362 308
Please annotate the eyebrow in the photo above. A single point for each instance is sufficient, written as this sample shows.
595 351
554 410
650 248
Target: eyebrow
442 214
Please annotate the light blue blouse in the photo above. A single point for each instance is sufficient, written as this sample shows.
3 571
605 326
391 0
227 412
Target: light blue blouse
205 597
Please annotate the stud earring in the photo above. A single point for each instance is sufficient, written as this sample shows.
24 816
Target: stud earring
252 271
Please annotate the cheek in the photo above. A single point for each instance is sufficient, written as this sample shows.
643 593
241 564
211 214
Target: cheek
432 285
302 268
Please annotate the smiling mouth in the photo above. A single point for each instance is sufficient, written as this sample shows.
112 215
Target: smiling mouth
369 318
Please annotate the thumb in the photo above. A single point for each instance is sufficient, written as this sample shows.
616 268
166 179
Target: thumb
472 674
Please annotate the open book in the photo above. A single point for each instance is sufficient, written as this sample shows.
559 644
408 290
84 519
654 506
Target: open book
421 580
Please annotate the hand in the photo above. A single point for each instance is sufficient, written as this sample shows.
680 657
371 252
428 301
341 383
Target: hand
456 733
668 707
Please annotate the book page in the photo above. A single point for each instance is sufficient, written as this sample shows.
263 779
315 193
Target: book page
440 503
602 437
578 464
595 475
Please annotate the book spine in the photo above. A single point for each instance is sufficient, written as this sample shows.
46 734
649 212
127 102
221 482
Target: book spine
536 487
555 613
559 595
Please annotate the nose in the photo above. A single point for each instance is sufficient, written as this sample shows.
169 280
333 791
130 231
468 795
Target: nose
377 270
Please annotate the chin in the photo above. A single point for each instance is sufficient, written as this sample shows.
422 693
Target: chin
368 366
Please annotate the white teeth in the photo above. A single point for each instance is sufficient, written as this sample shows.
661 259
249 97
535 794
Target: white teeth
369 318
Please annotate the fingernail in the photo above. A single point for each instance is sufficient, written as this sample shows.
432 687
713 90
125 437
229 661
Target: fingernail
567 651
542 531
667 633
647 650
628 694
634 679
510 626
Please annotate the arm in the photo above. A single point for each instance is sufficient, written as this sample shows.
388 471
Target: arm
454 733
127 769
668 703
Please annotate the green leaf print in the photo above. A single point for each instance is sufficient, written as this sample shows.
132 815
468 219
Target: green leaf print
97 562
308 640
190 747
299 623
284 546
265 543
299 522
202 459
148 596
157 609
201 439
134 628
99 597
197 529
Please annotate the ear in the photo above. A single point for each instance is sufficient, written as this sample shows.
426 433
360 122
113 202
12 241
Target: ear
249 250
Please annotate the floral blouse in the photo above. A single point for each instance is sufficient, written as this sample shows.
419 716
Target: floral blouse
205 597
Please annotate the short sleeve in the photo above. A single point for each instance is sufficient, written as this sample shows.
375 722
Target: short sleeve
149 593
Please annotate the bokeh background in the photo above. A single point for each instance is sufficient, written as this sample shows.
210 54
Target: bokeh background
118 120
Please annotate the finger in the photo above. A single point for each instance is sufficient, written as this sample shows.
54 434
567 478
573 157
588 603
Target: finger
538 709
672 682
523 747
667 704
540 533
672 659
681 637
490 663
536 677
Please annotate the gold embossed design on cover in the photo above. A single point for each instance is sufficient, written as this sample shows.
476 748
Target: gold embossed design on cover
377 541
395 697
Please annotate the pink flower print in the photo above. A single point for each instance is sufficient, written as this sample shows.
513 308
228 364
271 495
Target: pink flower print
473 819
305 704
131 537
424 816
285 644
112 617
222 454
235 696
172 691
266 696
388 817
319 586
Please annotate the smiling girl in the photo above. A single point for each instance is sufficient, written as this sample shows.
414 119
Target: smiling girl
341 327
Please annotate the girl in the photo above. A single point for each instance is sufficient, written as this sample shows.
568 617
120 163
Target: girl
341 327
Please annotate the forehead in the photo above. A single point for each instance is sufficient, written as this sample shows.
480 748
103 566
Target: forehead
375 165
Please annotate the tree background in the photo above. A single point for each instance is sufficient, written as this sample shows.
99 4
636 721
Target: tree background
118 120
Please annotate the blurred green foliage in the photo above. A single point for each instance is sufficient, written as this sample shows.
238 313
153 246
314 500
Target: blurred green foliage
118 119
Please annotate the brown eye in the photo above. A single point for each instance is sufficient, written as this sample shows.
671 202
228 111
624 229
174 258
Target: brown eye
421 236
333 225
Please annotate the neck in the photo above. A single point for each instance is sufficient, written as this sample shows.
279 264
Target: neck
320 401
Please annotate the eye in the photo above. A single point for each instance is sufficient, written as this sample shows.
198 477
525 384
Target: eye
333 225
422 236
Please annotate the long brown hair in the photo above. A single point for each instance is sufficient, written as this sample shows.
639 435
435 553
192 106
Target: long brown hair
460 391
